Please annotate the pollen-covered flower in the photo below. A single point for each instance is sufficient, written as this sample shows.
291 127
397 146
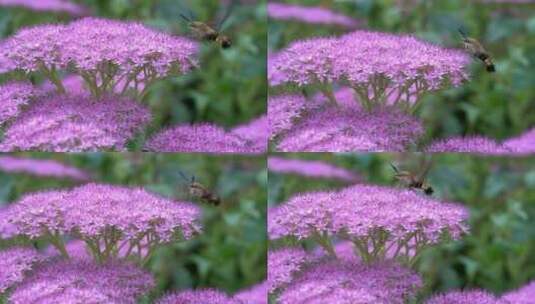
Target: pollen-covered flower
94 212
376 65
309 168
523 144
466 297
308 14
71 123
80 281
202 296
255 133
257 294
282 265
524 295
199 138
476 144
14 263
362 213
343 282
47 6
336 129
41 168
13 96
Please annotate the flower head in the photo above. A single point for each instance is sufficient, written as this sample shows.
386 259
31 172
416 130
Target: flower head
198 138
107 53
361 56
47 6
465 297
14 95
307 14
257 294
475 144
255 133
523 144
70 123
376 65
283 111
34 48
335 129
90 42
282 265
90 211
343 282
83 282
309 168
524 295
204 296
361 212
14 263
41 167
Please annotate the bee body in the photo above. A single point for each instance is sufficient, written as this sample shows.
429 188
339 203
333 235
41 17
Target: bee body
412 181
202 193
476 49
205 32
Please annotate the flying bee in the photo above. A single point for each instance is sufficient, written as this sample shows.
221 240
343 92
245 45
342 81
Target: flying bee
199 191
205 32
476 49
415 181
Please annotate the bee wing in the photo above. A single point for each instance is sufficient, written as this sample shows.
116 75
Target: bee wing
219 24
426 167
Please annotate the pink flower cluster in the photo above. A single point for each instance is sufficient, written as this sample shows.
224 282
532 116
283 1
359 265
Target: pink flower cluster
466 297
337 129
283 112
523 144
47 6
342 282
256 133
13 96
104 52
83 282
257 294
206 296
376 65
14 263
68 123
363 213
524 295
309 168
96 213
41 168
210 138
282 265
308 14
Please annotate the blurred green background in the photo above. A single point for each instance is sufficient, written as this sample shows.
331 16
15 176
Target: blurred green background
499 105
231 252
499 252
228 89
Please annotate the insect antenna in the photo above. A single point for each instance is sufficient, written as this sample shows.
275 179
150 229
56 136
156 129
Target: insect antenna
394 168
184 176
186 18
463 33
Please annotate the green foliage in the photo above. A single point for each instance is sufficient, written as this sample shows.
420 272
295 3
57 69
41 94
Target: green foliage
230 254
498 105
498 252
